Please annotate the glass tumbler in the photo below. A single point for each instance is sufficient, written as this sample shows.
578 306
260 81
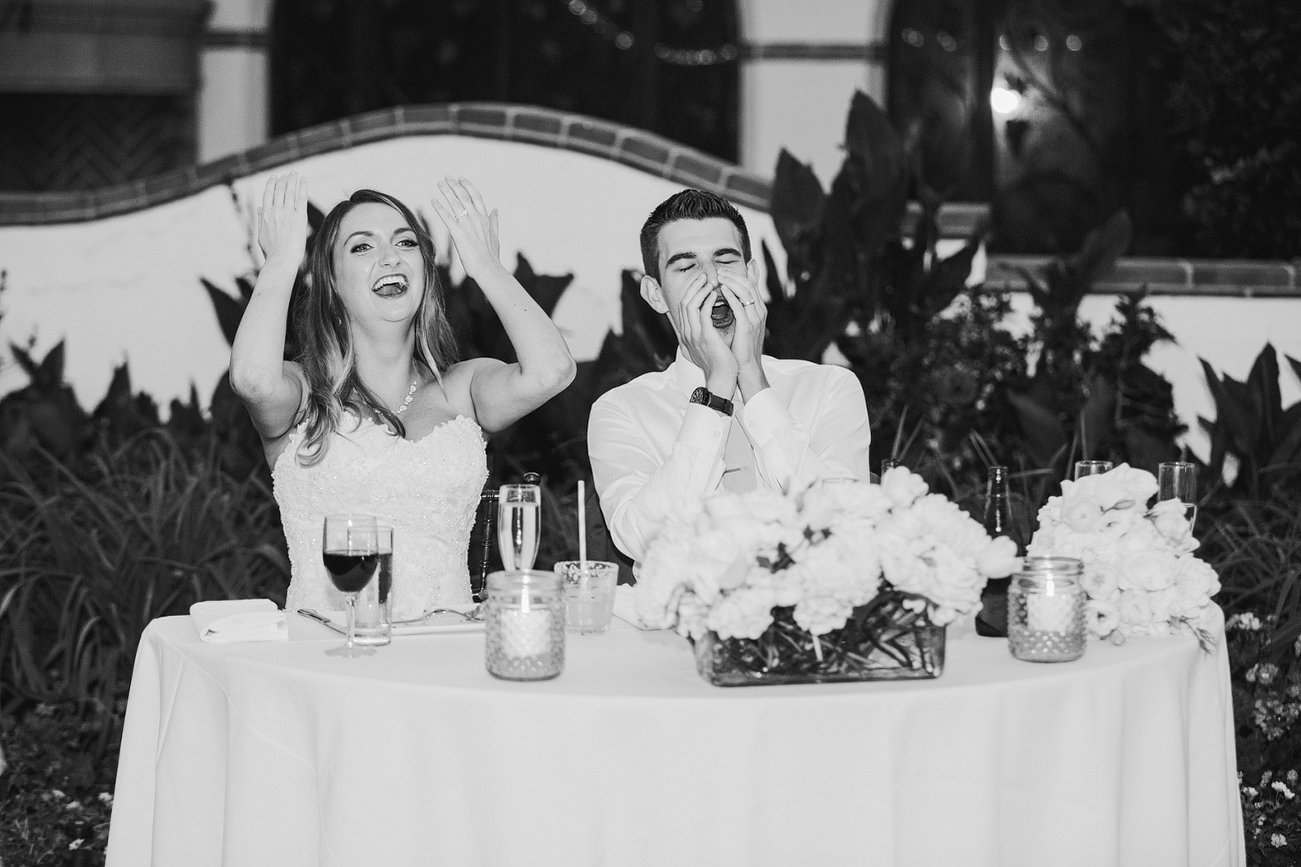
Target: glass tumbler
1045 610
525 625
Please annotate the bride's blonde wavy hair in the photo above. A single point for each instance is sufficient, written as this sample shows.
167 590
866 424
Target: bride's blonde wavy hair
326 352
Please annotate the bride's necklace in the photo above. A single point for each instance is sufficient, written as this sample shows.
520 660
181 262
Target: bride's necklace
411 393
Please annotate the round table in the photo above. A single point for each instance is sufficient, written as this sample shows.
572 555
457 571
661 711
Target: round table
273 753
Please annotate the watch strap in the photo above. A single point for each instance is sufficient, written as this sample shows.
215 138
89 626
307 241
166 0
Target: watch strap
705 397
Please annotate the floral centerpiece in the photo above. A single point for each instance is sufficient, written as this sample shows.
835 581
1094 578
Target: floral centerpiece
844 581
1140 575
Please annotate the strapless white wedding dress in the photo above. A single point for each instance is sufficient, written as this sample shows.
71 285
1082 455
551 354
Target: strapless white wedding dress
427 490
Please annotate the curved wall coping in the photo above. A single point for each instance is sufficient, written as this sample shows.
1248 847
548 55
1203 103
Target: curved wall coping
524 123
633 147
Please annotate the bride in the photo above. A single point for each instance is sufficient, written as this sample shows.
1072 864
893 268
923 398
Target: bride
375 415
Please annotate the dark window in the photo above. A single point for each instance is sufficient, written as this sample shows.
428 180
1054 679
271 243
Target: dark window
59 141
1050 110
669 67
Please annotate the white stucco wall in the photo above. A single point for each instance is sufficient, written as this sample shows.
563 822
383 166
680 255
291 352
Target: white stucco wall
801 104
127 288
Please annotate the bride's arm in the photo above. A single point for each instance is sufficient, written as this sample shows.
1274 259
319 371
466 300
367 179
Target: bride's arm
271 387
503 393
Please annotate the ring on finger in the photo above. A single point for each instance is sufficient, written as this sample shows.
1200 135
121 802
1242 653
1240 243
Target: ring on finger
463 213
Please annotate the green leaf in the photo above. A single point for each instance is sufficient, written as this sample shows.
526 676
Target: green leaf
1265 398
229 310
1040 426
797 201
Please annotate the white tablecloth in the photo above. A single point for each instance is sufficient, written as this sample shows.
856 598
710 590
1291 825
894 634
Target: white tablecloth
274 753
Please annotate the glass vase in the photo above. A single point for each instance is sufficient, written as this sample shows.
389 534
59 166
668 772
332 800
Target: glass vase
882 640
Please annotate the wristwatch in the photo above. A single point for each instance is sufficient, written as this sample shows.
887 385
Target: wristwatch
705 397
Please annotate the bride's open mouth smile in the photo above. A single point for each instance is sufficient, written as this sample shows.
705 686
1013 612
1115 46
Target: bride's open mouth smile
390 286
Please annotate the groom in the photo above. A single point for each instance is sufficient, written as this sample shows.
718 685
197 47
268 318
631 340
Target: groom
723 416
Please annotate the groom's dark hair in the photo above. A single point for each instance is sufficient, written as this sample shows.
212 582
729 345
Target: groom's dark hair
690 204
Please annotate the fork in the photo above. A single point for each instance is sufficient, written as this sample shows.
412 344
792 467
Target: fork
474 615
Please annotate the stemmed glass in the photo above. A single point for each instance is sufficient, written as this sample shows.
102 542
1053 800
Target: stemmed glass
350 550
1091 468
518 508
1177 480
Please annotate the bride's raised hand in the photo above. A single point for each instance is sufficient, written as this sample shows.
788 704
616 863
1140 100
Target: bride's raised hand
473 228
282 219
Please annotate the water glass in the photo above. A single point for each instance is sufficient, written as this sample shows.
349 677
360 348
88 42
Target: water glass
518 513
588 586
1045 610
1091 468
1177 480
525 625
373 615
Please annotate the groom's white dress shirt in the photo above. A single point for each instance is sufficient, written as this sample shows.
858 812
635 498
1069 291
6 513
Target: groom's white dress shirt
653 451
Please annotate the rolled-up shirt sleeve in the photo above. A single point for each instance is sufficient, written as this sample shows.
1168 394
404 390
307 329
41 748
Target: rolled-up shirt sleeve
639 487
832 442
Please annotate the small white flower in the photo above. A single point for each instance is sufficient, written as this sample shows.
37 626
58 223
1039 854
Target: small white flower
58 794
105 798
72 805
1262 673
1278 841
1280 787
76 844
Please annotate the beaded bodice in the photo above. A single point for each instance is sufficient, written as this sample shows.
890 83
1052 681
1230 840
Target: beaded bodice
427 490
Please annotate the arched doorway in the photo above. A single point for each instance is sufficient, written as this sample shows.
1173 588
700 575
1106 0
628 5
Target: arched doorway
669 67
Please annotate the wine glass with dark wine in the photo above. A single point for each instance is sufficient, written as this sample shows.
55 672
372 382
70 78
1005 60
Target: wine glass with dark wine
350 550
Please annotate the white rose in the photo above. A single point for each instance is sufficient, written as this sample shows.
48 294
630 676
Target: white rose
1102 616
745 613
1195 583
1081 515
1100 581
902 486
1147 570
692 613
998 559
1122 487
821 614
1135 613
1168 518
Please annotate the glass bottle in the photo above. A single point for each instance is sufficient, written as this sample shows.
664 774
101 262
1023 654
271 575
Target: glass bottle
998 521
1045 610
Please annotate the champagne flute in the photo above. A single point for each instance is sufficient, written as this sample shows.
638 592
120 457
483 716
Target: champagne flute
1091 468
350 550
518 508
1177 480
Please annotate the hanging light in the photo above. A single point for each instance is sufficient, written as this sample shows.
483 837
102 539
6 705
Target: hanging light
1004 100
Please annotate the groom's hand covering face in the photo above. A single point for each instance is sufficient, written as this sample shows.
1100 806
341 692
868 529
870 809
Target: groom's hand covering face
709 294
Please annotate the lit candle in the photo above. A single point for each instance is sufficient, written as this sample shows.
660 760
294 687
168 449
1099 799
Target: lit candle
526 632
1049 612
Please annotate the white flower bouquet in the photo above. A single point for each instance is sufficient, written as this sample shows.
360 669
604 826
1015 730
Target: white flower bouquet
1140 575
847 580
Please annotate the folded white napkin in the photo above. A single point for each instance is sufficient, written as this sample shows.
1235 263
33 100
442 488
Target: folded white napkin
625 605
229 620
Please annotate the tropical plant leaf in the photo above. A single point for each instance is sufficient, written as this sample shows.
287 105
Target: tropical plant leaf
1262 383
1044 436
797 201
1099 252
229 310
